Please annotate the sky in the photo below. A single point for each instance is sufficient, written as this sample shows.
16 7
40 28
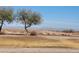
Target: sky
58 17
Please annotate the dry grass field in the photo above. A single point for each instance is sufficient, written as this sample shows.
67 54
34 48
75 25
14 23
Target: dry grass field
11 40
20 41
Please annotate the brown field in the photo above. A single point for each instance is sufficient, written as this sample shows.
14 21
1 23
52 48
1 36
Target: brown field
21 41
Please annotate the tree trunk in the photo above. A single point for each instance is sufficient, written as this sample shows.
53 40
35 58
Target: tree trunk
25 24
27 27
1 25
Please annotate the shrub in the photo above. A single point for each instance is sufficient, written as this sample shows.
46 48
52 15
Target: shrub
33 33
1 33
68 31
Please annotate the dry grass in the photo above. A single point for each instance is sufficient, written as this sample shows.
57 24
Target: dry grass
32 42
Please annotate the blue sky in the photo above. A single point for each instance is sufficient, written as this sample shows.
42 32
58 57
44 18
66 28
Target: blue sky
59 17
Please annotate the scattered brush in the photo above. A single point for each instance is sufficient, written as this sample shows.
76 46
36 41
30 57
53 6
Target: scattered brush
68 31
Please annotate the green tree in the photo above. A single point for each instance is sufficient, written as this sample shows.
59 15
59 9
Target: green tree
29 18
6 14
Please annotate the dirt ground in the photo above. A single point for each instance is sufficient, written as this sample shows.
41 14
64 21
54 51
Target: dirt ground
13 42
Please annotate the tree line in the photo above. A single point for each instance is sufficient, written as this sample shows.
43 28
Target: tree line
25 16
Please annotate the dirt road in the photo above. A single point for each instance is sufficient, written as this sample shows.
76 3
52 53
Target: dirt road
38 50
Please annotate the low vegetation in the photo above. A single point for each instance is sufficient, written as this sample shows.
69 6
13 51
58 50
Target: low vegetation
33 33
68 31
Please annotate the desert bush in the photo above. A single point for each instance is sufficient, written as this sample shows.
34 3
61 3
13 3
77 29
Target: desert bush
2 33
65 35
68 31
33 33
48 34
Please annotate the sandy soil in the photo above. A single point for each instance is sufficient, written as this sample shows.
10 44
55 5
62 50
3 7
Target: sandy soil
48 37
60 37
56 43
38 50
